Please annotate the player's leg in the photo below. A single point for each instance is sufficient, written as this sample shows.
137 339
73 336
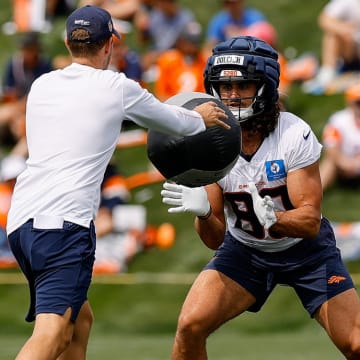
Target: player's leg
79 341
212 300
51 335
340 317
327 291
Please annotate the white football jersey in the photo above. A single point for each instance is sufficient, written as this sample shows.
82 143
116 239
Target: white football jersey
291 146
347 10
73 122
342 131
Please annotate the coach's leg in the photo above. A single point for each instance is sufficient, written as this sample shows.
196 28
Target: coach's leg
51 335
340 317
212 300
78 345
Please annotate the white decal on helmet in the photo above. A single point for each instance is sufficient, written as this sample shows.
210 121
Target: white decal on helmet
231 73
229 59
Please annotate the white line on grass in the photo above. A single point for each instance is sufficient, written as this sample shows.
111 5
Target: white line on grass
131 279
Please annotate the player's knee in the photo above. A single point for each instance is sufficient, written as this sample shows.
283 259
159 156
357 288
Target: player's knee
351 349
190 327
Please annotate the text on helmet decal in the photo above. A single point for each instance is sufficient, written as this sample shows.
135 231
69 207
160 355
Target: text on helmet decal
230 73
229 59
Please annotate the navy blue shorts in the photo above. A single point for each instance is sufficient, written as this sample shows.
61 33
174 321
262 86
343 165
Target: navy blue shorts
58 265
313 267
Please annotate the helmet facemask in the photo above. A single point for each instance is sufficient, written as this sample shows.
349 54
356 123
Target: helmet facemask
240 107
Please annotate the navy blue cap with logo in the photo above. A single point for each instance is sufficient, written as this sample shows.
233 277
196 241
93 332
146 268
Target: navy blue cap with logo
95 20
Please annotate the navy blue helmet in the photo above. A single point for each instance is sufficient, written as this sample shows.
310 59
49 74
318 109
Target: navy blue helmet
245 58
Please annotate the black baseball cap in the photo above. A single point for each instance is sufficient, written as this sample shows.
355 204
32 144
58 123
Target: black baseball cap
95 20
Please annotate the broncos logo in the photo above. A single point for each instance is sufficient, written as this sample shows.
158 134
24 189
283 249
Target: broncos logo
336 279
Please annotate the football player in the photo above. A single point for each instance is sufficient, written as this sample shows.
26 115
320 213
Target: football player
263 218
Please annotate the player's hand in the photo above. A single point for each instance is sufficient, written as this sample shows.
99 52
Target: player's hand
212 114
263 207
185 199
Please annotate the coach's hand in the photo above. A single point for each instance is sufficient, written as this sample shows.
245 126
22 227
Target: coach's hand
186 199
212 114
263 207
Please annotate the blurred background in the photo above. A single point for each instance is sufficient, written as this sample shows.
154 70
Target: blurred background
136 309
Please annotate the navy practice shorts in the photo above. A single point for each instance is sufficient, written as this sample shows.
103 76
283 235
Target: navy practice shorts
313 267
58 265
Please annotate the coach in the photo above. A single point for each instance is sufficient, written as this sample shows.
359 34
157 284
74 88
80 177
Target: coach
73 120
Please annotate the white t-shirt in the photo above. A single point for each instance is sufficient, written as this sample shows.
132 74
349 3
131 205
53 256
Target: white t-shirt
348 10
73 122
343 131
291 146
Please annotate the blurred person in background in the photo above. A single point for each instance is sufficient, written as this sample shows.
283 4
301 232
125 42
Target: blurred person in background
36 15
339 22
141 18
265 31
10 167
28 15
181 69
341 140
23 67
233 20
56 8
124 59
160 28
119 9
121 227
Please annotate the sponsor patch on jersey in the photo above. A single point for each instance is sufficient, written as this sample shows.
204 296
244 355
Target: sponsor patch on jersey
275 170
229 59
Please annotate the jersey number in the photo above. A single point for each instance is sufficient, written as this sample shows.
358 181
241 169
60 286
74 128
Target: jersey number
246 219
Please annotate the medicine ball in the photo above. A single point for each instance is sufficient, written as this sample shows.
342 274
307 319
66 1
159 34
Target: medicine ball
200 159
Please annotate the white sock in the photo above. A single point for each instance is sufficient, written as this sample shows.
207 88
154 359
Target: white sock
326 74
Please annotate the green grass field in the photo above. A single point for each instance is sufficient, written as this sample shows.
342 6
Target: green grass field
136 318
137 321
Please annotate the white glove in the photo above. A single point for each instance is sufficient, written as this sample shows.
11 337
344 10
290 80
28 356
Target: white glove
186 199
263 207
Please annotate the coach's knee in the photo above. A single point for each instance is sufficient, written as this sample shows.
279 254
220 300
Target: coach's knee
86 317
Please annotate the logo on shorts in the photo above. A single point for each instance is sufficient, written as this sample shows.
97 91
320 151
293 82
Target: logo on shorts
336 279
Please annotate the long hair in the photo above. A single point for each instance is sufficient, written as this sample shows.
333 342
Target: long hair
264 123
